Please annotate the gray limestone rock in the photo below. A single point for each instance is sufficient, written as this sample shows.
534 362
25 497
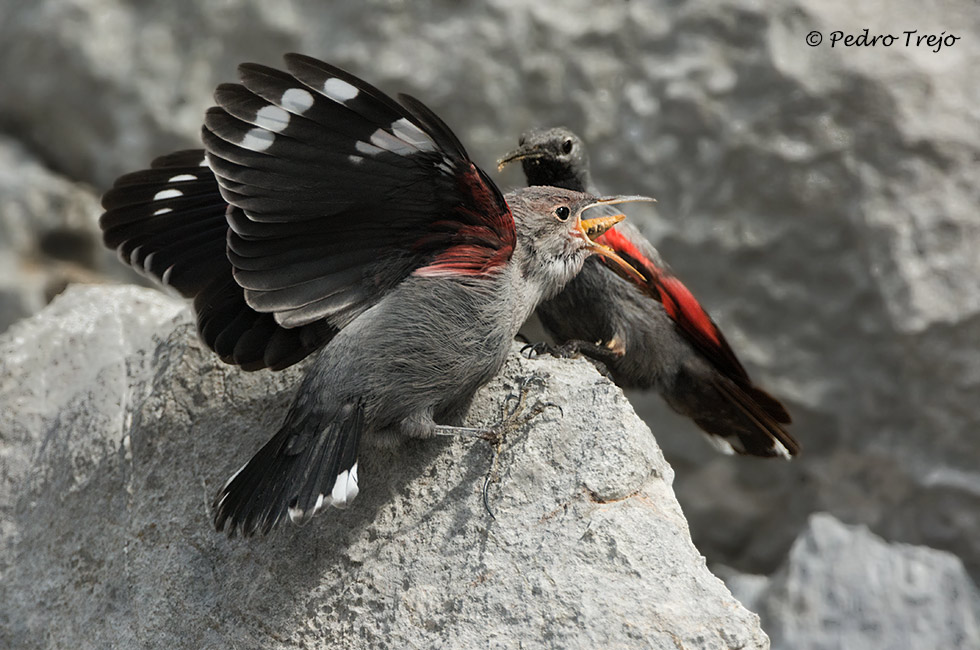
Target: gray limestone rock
118 428
844 587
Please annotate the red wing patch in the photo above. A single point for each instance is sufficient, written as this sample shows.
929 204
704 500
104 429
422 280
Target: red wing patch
477 236
681 305
626 249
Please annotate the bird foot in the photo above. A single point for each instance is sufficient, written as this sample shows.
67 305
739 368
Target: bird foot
516 414
515 411
568 350
605 352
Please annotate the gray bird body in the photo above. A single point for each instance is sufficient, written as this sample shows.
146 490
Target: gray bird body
405 367
681 355
410 370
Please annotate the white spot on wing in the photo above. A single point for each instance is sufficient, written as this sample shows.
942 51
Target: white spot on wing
272 118
299 516
258 140
162 211
182 177
384 140
367 149
357 160
339 90
297 100
413 134
204 163
169 193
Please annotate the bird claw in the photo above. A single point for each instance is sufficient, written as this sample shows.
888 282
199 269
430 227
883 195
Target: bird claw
516 415
511 415
486 489
568 350
608 351
534 350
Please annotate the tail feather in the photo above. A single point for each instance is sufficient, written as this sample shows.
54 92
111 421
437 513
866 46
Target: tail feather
309 463
763 434
772 406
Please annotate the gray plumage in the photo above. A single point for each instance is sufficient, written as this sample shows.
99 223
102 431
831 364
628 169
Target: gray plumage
406 365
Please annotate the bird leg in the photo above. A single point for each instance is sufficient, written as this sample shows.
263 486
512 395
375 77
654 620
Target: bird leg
516 414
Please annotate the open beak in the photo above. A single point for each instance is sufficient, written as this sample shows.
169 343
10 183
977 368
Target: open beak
590 229
521 153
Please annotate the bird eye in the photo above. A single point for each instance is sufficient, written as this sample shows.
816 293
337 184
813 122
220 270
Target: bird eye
562 212
566 146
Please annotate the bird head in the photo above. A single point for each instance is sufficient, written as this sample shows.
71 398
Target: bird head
555 236
551 157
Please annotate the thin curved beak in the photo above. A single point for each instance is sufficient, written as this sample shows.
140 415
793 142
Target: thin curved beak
521 153
593 228
623 198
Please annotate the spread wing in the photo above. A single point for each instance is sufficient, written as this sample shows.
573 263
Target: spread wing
168 223
338 192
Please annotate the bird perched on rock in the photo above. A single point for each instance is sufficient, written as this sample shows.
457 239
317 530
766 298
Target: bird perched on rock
324 214
651 334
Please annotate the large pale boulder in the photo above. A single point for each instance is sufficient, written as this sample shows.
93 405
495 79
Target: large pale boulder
844 587
118 428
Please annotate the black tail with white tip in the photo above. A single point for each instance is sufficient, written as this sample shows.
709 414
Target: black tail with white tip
311 462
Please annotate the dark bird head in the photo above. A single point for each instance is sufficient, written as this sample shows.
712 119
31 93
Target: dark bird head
555 237
552 157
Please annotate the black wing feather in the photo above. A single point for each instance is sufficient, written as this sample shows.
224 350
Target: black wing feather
180 241
336 184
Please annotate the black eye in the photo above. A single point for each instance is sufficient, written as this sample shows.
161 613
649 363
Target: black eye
562 212
566 146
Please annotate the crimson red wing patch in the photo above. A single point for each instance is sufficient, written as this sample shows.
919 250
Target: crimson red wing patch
478 236
681 305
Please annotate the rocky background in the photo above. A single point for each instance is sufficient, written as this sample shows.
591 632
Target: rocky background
820 201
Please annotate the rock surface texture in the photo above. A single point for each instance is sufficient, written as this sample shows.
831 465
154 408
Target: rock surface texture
49 235
844 587
821 201
119 428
